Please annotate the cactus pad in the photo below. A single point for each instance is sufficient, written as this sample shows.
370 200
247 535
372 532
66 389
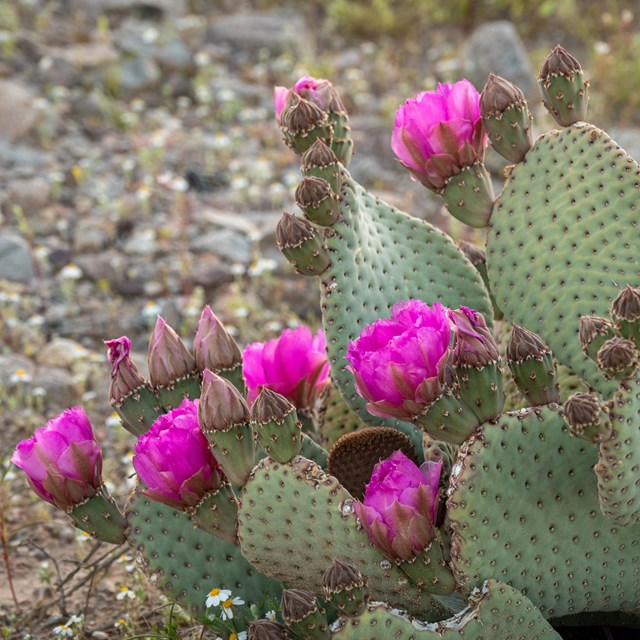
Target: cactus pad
524 507
379 256
563 239
495 612
186 562
308 522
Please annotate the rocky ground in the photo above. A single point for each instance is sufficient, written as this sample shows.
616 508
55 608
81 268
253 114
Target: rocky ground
141 173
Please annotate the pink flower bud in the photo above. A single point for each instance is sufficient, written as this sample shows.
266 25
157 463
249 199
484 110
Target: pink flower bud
294 365
169 359
437 133
174 461
400 505
62 460
280 97
213 347
125 376
399 363
473 344
318 91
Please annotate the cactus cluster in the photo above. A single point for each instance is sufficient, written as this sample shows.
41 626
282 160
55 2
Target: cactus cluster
534 513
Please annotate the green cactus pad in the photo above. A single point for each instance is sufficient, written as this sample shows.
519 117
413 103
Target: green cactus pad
523 506
186 563
379 256
307 522
495 612
618 467
563 239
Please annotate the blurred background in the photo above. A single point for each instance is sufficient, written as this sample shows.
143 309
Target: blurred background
142 173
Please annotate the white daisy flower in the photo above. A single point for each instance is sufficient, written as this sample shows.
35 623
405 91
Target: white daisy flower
242 635
270 615
227 607
63 631
125 592
217 597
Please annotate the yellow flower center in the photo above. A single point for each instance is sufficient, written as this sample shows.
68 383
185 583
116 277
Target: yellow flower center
233 636
227 604
214 592
121 621
124 589
21 373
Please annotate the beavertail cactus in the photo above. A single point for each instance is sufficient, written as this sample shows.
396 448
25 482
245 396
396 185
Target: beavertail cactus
437 512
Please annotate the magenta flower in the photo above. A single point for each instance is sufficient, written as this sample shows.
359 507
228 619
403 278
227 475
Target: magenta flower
62 460
400 505
174 461
398 363
294 365
437 133
125 377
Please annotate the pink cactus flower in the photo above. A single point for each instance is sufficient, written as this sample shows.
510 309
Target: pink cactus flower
437 133
294 365
398 363
400 505
62 460
174 461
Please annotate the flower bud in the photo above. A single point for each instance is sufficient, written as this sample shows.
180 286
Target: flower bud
477 364
267 630
346 588
531 363
129 393
506 118
320 161
594 332
224 417
302 614
303 122
301 245
169 359
625 311
587 417
221 405
565 92
276 425
318 202
617 358
213 347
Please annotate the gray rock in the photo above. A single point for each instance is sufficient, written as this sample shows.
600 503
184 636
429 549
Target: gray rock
15 259
95 8
18 114
62 390
93 234
250 31
496 47
224 243
141 242
30 194
61 353
135 76
21 159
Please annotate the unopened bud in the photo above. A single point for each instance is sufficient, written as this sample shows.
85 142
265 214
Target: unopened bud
587 417
531 363
125 377
625 310
593 333
617 358
213 347
565 92
302 614
320 161
318 202
345 586
276 426
506 118
267 630
303 122
301 245
169 359
221 405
